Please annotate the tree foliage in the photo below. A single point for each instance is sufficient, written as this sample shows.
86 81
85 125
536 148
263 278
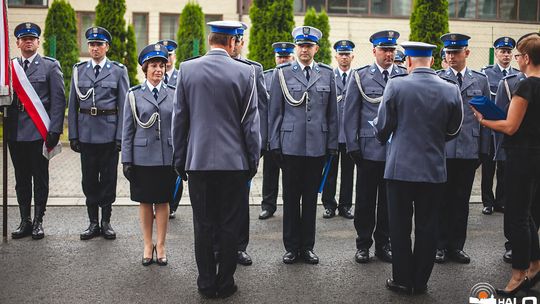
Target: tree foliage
61 30
321 22
131 56
191 27
110 15
429 21
271 21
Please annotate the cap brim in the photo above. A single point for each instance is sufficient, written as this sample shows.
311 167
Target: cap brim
28 35
382 46
454 49
305 42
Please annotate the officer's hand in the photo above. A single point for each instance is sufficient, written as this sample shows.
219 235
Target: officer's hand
52 140
252 171
332 152
118 145
278 157
180 171
127 169
356 156
75 145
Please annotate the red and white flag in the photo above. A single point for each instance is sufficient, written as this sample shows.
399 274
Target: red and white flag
4 53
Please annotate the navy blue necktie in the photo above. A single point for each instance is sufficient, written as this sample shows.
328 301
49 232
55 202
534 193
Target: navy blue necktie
307 72
344 78
460 79
385 75
505 73
155 91
96 70
26 63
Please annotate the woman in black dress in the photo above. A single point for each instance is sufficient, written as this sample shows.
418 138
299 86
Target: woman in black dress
522 167
147 149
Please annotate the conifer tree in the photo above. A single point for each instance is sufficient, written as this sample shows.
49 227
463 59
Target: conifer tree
191 27
110 15
131 56
321 22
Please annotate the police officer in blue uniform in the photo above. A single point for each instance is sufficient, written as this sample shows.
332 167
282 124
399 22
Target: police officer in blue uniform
416 135
461 152
147 149
503 54
172 73
216 142
170 78
344 57
399 58
364 94
96 100
284 52
24 140
303 133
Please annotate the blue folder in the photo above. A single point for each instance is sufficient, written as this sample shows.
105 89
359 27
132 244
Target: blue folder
488 108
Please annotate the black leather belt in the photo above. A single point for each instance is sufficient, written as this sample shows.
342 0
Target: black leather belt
95 111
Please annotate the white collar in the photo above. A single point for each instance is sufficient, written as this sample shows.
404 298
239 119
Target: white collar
31 59
381 69
503 69
101 64
347 72
151 87
462 71
220 49
304 66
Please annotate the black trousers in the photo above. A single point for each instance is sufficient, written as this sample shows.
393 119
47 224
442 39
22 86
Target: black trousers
371 197
99 165
346 183
454 211
301 181
270 183
412 268
30 165
522 186
216 200
489 169
173 205
535 213
243 233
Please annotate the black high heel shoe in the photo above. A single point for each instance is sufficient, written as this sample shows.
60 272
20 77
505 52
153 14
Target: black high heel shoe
148 261
160 261
523 285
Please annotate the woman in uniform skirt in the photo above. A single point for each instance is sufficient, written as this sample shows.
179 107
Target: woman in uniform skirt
147 150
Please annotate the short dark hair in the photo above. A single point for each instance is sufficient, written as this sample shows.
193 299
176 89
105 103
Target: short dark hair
219 39
530 45
147 62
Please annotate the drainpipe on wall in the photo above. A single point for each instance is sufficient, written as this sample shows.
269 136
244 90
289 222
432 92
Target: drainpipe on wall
240 9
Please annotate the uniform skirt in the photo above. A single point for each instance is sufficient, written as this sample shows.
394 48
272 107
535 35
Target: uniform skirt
152 184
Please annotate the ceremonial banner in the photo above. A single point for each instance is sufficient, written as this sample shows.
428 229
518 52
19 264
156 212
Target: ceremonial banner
5 98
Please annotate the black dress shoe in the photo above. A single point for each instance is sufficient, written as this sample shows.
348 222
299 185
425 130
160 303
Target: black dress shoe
107 231
395 287
290 257
172 215
419 290
37 230
310 257
243 258
265 214
329 213
459 256
507 256
92 231
346 213
487 210
441 256
227 292
24 229
510 293
498 209
362 256
384 253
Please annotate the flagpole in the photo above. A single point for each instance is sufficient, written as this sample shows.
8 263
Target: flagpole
5 100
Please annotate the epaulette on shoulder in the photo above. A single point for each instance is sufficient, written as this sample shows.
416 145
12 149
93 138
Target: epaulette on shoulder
80 63
268 71
479 73
487 67
510 76
194 57
362 68
117 64
323 65
170 86
402 67
452 81
253 62
283 65
242 60
49 58
135 88
398 75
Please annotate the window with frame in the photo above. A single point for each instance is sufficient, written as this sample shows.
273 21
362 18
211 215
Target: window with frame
168 26
140 24
28 3
84 21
